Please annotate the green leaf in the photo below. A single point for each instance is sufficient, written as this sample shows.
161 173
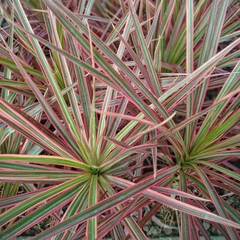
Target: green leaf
93 199
216 201
43 211
105 204
39 198
44 160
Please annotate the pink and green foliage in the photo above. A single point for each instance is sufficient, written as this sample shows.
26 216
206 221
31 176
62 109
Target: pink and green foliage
106 105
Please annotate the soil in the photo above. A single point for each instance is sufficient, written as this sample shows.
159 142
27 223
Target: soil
164 223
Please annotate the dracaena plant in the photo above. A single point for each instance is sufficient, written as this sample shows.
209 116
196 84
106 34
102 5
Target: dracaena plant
105 107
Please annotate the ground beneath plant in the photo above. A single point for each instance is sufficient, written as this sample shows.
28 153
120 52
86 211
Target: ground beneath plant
164 223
